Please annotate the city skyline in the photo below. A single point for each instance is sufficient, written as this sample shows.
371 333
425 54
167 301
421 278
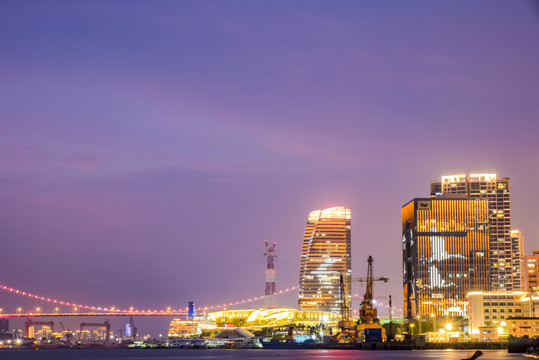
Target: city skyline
147 153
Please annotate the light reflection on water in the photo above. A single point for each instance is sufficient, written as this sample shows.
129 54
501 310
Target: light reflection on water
157 354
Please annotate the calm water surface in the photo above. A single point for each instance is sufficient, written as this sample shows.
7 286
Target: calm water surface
119 354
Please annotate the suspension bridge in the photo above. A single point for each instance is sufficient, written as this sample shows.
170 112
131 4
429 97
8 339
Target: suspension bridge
57 307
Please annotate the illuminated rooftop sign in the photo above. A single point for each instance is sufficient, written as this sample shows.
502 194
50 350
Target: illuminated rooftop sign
452 179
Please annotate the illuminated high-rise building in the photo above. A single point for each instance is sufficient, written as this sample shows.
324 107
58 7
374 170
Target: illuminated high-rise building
531 272
497 192
445 254
325 256
517 261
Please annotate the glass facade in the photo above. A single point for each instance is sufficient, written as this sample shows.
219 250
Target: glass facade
517 259
504 276
325 255
445 254
531 271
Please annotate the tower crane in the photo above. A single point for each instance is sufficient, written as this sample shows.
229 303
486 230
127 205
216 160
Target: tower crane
67 333
368 315
364 279
347 332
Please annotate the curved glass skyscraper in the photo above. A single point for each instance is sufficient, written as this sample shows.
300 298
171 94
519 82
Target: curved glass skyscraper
325 255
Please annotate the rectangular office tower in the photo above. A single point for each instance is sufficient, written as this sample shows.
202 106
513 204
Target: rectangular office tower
497 192
325 256
517 259
531 272
445 254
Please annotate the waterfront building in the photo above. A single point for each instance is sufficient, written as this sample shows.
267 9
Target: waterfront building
190 327
325 256
445 254
523 326
273 317
497 192
517 261
531 271
488 312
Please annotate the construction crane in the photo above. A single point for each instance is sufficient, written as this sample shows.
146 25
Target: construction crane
67 333
390 335
364 279
346 325
369 325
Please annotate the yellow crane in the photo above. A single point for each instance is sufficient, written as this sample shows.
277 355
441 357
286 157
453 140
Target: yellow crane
368 314
346 325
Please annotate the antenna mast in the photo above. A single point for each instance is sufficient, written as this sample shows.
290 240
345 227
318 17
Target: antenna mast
269 299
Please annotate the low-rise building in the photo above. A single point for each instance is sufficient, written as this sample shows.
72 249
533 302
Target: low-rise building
488 312
274 317
184 328
523 326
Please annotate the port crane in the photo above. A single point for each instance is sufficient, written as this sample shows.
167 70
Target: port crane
67 333
346 325
368 314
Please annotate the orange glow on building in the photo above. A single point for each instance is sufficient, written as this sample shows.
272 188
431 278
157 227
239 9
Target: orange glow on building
445 254
326 254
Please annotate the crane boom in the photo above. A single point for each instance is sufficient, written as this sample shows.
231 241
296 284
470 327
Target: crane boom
362 279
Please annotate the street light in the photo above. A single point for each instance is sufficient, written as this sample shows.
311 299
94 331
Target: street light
412 326
56 310
433 316
448 326
19 310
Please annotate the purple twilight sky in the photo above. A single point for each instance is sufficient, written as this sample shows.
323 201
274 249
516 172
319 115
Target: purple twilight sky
148 148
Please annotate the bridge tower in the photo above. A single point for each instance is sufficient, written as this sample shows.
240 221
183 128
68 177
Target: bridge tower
270 298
